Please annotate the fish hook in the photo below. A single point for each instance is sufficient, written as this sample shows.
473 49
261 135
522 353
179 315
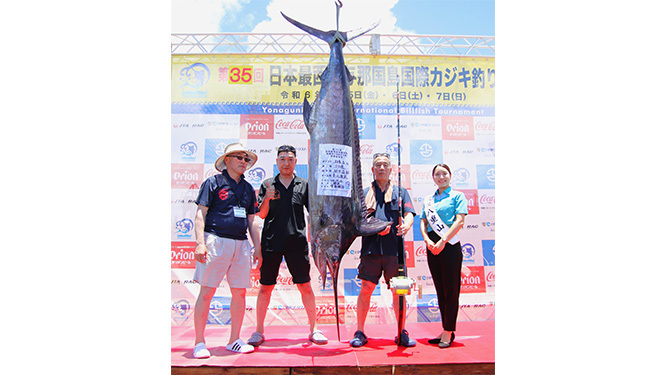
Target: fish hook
339 5
337 36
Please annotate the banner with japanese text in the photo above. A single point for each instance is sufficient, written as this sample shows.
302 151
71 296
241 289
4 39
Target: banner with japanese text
447 116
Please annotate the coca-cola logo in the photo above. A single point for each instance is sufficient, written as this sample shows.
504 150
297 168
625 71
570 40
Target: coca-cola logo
295 124
365 149
284 280
491 276
421 251
485 126
487 199
421 175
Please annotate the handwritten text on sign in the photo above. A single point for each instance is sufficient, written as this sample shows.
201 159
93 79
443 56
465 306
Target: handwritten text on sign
334 170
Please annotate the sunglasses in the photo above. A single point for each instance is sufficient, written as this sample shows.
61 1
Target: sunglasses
240 158
385 154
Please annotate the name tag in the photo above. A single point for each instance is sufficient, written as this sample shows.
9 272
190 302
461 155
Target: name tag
239 212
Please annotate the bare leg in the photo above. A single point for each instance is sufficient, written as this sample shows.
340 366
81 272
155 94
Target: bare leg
263 300
202 307
364 302
237 311
308 299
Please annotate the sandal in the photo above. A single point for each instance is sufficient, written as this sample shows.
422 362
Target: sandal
256 339
359 339
318 337
239 346
200 351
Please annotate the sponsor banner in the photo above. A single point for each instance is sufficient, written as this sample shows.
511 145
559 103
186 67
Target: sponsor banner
185 176
490 277
219 311
181 311
427 82
475 282
183 254
326 309
486 176
489 251
352 284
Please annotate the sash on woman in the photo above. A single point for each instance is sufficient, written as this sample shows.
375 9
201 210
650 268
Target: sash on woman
436 222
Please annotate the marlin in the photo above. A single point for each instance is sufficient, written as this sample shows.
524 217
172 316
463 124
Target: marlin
338 213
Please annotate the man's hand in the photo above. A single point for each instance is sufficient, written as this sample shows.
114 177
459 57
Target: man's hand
200 253
257 258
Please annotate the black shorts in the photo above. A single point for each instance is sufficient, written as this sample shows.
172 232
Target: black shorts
297 261
372 266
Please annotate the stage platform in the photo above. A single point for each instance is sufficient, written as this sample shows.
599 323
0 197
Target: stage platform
287 350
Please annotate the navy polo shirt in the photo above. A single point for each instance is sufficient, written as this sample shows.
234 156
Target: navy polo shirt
388 244
220 193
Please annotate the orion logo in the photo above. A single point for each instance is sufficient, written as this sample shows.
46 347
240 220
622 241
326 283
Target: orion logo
184 228
468 251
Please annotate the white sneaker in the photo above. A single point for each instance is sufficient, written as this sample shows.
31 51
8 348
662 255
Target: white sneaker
239 346
200 351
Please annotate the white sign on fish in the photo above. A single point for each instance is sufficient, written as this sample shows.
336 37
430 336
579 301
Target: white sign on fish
334 169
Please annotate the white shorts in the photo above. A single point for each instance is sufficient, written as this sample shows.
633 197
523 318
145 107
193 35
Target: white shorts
225 257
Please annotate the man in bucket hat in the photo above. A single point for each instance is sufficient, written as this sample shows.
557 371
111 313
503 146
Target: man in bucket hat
226 207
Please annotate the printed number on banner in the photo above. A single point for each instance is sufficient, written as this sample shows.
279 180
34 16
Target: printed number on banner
240 74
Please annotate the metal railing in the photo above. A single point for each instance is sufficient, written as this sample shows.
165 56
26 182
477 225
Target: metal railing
372 44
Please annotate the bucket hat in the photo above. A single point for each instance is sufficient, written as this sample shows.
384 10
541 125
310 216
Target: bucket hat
233 148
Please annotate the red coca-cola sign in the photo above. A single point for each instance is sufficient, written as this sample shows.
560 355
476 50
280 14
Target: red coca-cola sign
365 149
295 124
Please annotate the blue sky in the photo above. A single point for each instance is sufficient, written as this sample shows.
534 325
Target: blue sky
423 17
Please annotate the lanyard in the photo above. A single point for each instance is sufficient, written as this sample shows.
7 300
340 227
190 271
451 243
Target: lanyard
236 193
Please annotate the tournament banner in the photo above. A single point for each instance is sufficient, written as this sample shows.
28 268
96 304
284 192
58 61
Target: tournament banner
447 115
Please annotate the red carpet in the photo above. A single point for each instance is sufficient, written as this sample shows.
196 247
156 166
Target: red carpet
288 346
